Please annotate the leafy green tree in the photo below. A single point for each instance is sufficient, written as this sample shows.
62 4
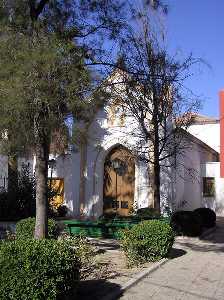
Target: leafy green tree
44 47
40 83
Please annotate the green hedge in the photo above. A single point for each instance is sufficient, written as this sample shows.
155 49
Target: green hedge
147 241
187 223
147 213
208 216
25 228
37 269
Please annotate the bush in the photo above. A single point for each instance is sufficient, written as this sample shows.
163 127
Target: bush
37 269
147 241
147 213
84 251
208 216
25 195
21 203
187 223
25 228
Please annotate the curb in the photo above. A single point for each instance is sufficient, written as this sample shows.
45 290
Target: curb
207 232
126 286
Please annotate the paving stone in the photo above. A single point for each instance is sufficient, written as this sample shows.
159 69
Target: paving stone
196 274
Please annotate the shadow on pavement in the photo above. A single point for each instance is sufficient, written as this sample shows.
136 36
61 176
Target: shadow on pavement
96 289
175 253
213 242
202 247
218 235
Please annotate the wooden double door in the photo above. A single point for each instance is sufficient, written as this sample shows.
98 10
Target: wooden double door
119 182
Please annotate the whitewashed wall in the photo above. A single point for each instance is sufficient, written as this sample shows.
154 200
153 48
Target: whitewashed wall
180 189
4 167
103 137
68 167
208 133
216 203
188 178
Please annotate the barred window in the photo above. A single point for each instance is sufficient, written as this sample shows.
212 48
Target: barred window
208 186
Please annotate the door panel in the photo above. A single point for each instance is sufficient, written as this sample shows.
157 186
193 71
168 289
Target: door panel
119 182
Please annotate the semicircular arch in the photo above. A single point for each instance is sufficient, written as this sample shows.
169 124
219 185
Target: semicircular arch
98 174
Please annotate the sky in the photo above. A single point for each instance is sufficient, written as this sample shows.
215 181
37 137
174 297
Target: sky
197 27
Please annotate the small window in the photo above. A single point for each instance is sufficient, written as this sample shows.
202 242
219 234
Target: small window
124 204
208 186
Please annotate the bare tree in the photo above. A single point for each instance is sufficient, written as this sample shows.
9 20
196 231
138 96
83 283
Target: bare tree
152 91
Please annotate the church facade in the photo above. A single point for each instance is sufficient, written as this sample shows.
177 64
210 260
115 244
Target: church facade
102 174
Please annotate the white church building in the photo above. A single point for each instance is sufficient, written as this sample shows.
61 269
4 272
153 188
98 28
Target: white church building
101 175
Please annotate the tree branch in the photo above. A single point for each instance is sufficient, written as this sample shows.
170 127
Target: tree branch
40 7
36 11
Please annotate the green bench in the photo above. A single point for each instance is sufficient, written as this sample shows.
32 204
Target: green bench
95 229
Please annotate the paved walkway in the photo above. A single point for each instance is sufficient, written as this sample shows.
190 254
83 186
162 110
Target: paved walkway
195 272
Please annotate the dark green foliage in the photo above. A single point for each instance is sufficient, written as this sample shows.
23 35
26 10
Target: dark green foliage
113 217
147 213
187 223
22 203
25 228
4 205
69 18
147 241
208 216
62 211
26 193
85 252
37 269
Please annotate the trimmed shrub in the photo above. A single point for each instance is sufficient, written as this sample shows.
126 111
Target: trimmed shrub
37 269
147 241
147 213
187 223
85 251
208 216
25 228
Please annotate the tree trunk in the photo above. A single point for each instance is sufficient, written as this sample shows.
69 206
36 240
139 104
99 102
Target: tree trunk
41 175
13 185
12 176
83 154
156 181
156 162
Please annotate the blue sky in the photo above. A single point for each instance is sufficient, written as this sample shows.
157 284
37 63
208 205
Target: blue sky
197 26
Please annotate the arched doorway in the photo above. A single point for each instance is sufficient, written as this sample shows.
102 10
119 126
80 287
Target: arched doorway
119 182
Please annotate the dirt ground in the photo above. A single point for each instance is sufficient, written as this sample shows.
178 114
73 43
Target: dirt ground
108 271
